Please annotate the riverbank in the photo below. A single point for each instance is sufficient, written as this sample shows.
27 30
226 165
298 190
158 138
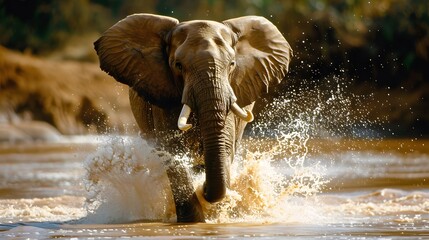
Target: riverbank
73 97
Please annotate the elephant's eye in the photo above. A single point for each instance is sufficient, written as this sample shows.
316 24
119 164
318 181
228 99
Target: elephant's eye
232 64
178 66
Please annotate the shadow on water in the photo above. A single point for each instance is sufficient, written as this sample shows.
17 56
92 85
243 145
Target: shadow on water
43 225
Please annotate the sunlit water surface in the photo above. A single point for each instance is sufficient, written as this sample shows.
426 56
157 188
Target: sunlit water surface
116 186
295 176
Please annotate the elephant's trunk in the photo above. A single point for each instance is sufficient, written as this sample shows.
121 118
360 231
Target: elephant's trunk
213 106
217 157
211 97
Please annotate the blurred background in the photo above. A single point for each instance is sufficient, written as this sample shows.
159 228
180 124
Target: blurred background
375 52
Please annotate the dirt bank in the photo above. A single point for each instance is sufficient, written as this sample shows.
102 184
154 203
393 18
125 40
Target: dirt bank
75 98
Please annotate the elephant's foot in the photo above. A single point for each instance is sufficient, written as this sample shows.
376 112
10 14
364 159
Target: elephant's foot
188 208
190 211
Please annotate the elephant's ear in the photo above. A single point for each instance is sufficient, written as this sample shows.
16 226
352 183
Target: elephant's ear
133 52
262 57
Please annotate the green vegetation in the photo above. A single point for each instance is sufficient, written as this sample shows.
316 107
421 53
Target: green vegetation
386 41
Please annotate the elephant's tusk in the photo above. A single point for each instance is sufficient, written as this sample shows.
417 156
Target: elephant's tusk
245 115
183 118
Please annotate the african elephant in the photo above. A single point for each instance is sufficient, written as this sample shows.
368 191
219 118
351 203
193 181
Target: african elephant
194 76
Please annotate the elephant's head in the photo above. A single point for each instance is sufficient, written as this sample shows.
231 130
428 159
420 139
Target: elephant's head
211 67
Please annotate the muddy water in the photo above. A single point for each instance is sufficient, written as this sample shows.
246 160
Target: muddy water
115 187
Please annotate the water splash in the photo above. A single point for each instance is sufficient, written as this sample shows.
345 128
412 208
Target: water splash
126 181
272 178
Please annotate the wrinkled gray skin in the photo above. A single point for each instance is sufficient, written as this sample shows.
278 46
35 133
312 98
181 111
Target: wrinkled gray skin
206 65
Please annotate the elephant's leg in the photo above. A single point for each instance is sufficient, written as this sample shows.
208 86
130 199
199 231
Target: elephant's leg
188 208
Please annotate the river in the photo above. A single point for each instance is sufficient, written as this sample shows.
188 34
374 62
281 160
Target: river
98 187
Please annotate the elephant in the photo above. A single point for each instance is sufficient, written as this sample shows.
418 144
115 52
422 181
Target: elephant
187 81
